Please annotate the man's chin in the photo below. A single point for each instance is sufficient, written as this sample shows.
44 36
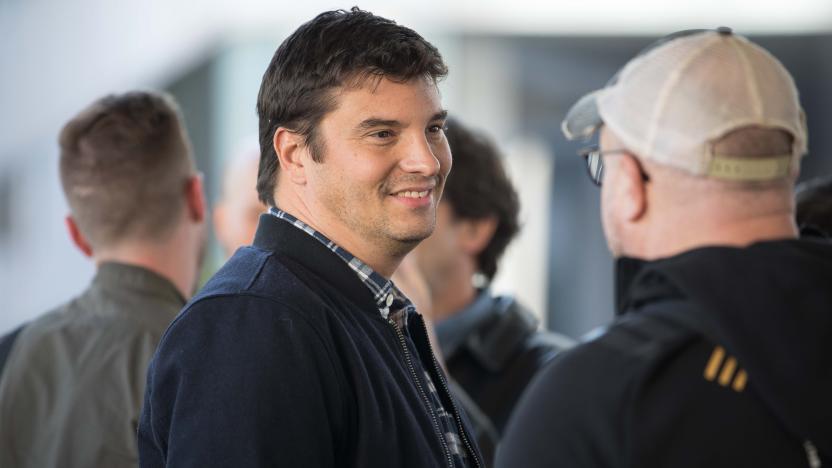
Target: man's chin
409 240
412 239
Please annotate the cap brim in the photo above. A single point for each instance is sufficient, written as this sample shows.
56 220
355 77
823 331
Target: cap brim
583 118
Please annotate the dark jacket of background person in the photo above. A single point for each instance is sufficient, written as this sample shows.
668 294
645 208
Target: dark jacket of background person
813 210
72 387
721 357
493 348
305 347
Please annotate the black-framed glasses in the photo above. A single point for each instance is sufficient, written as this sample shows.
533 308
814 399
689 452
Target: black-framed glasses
595 164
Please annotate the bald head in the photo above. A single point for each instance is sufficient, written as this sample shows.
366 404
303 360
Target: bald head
238 209
675 211
731 198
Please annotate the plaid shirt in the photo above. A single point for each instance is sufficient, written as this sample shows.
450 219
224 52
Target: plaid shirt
394 306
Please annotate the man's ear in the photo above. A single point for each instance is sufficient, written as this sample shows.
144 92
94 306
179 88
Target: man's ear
195 198
77 238
631 193
475 234
290 148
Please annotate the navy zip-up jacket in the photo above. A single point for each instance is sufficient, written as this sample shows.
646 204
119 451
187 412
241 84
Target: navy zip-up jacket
284 360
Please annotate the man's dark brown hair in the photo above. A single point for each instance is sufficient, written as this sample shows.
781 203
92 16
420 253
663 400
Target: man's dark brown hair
478 188
337 48
124 165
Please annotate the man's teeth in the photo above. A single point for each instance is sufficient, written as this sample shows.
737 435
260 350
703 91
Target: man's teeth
413 194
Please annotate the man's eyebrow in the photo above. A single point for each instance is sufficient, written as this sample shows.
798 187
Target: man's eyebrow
441 115
374 122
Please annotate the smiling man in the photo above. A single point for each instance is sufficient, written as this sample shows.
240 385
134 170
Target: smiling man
301 351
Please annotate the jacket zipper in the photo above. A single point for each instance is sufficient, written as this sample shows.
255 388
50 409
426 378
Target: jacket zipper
458 419
812 454
425 399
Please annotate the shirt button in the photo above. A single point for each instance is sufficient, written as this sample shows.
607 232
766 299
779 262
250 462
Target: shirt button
389 299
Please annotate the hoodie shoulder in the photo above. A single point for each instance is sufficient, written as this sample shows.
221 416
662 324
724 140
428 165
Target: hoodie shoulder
644 393
577 411
767 305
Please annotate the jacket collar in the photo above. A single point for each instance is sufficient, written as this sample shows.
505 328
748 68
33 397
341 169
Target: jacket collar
453 331
626 270
278 236
122 277
639 282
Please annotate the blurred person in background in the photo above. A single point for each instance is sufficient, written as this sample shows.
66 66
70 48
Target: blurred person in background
71 390
814 207
720 354
301 351
238 209
492 345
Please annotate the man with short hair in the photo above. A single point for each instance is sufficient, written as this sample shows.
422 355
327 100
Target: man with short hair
720 355
300 351
492 344
238 209
71 390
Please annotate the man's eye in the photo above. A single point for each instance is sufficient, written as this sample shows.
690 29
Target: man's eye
437 128
383 134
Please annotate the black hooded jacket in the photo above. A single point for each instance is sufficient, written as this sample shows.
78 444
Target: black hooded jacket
720 357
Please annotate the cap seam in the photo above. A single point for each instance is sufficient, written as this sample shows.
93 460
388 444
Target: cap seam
754 86
662 99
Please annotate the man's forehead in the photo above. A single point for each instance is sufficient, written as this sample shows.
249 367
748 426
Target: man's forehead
381 86
384 97
371 82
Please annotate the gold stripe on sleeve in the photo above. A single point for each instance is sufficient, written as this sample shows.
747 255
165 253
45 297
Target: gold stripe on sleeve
727 371
714 362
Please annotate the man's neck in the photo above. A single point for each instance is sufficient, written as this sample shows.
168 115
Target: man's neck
453 295
383 259
675 238
164 259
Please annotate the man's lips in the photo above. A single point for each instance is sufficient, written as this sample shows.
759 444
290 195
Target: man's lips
414 196
413 193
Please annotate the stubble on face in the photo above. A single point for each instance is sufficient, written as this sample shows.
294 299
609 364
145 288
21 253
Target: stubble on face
366 164
362 212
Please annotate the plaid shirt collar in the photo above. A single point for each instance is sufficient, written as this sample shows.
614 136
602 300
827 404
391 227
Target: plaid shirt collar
385 293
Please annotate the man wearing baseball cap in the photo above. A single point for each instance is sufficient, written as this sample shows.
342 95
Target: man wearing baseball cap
721 354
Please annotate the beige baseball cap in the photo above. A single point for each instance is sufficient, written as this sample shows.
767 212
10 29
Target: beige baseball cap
681 94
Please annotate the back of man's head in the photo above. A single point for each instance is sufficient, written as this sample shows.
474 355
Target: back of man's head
712 134
678 189
814 206
335 49
124 163
479 188
684 93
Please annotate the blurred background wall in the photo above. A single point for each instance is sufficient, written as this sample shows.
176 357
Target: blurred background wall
515 66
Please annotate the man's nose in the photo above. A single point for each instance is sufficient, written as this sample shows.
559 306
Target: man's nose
420 158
